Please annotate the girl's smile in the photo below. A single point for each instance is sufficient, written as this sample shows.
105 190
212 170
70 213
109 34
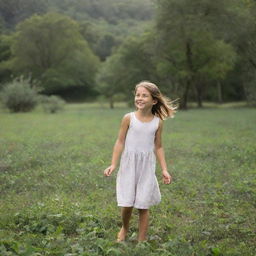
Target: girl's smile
143 98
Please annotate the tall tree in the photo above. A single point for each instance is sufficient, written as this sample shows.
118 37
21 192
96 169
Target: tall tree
245 44
52 50
187 47
5 55
130 64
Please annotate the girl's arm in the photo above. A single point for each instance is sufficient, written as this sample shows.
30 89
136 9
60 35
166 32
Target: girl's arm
119 145
167 178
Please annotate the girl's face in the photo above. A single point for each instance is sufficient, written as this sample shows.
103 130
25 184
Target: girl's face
143 99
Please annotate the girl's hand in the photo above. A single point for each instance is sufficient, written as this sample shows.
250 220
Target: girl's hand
109 170
167 178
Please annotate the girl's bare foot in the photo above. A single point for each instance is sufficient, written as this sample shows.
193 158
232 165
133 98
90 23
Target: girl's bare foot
121 235
141 240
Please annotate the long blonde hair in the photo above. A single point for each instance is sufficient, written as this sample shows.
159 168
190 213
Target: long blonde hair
164 107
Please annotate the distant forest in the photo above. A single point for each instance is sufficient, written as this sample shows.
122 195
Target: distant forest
85 49
104 24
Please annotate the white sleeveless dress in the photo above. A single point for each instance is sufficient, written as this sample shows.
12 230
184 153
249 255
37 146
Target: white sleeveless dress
136 183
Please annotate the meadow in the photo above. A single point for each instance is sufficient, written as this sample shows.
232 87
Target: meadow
54 199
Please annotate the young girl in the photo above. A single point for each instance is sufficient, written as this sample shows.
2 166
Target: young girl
139 140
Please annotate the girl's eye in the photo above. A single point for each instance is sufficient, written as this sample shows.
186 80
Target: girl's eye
143 95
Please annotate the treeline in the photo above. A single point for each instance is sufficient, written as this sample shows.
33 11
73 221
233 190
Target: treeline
195 50
111 11
104 23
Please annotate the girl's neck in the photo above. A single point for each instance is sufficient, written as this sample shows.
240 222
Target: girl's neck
144 113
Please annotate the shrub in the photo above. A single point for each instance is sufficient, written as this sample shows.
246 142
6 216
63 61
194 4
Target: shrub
19 95
52 104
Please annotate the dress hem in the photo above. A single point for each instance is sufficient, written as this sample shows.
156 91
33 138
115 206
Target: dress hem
137 206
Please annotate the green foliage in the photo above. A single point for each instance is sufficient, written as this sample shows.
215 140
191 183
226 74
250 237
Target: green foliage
188 46
245 45
52 104
110 21
19 95
249 80
51 48
15 11
130 64
112 10
5 54
5 51
195 50
106 79
54 199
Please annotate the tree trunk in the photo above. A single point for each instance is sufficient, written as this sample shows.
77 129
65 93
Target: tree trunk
111 102
199 94
191 78
184 99
219 88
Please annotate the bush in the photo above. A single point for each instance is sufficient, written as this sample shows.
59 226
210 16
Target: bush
52 104
19 95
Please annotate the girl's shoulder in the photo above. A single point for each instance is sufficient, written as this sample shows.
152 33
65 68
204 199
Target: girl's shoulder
128 115
127 118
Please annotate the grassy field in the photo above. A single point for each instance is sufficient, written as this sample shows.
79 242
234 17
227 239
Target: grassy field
55 201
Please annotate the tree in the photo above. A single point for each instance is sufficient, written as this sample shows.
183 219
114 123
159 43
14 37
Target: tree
5 55
108 22
107 81
188 49
100 41
130 64
245 44
51 49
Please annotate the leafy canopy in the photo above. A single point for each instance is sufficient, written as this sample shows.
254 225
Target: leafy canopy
52 50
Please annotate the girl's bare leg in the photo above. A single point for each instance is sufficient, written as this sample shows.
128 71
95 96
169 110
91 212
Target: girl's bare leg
126 215
143 224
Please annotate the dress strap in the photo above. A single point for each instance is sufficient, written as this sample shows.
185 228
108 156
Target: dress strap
157 121
131 118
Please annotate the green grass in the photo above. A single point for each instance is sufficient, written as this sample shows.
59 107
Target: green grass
55 201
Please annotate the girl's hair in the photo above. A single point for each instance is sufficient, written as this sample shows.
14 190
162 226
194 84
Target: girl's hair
164 107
